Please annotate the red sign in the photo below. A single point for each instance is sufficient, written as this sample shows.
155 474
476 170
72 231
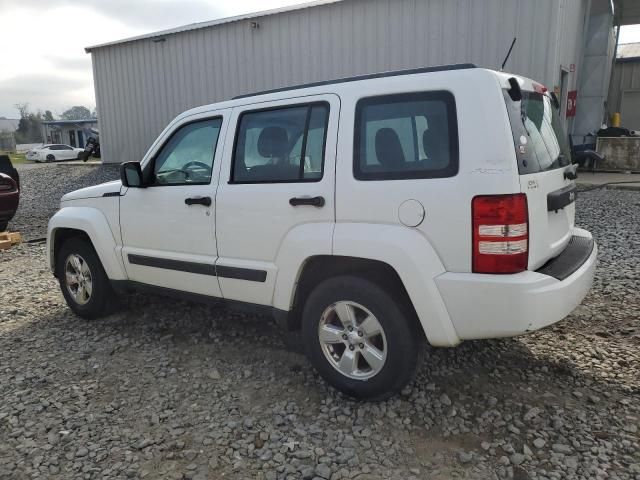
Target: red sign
572 98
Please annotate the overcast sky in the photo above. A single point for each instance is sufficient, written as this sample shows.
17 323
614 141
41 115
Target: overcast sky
42 58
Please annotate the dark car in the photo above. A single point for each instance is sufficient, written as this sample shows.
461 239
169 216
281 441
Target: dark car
9 191
9 198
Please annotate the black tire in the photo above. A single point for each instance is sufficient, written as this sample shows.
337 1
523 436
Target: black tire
50 158
403 338
102 296
3 225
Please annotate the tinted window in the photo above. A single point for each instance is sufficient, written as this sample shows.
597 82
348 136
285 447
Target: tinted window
406 136
187 158
281 145
540 141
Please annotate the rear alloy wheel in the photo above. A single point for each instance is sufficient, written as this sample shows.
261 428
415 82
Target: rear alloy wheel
352 340
363 340
83 281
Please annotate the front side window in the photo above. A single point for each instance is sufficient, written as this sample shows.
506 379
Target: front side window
281 145
406 136
187 158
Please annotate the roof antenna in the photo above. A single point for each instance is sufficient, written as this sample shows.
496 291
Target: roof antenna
508 53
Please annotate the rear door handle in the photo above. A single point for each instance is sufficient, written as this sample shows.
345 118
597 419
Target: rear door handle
206 201
312 201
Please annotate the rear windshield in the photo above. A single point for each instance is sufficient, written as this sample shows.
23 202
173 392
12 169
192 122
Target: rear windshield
540 141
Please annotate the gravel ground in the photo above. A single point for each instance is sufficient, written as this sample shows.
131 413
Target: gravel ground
164 389
42 187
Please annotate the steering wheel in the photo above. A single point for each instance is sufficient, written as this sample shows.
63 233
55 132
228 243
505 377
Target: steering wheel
196 164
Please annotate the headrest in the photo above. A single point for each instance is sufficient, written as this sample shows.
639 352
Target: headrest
273 142
389 149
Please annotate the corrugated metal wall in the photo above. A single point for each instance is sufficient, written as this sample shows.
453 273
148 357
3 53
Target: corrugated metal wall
626 77
596 71
142 85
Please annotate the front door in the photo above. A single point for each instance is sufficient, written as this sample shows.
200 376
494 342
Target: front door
72 138
168 228
276 194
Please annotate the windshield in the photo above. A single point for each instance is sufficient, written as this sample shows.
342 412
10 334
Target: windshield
540 141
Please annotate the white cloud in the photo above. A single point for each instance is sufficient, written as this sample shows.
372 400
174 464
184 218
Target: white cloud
43 61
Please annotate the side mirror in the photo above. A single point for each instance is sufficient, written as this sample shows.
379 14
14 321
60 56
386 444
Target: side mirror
131 175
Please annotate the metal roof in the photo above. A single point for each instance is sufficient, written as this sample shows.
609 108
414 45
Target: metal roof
628 51
213 23
67 122
627 12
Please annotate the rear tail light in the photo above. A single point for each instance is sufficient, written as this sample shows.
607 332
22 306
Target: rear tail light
500 233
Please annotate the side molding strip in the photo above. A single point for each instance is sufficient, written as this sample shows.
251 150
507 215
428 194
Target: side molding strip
247 274
242 273
190 267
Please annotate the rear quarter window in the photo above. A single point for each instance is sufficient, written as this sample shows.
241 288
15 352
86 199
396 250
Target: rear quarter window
406 136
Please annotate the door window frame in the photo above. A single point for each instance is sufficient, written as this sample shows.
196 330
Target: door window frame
149 165
309 106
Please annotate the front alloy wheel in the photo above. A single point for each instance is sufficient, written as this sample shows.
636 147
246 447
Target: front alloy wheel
83 281
78 280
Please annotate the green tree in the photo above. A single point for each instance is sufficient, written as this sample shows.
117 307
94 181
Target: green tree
48 116
30 126
76 113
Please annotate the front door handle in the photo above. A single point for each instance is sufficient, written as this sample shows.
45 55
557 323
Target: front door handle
206 201
312 201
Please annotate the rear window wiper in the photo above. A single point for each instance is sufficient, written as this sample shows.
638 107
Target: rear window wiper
523 118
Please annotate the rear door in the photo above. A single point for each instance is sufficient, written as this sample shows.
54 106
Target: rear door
544 158
276 191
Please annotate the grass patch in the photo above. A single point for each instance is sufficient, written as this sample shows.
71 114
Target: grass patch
16 158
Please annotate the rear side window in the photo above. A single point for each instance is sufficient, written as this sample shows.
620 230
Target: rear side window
281 145
406 136
540 141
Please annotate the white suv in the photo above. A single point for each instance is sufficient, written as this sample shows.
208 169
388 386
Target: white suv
365 213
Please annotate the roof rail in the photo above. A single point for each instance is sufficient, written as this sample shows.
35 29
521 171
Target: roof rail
396 73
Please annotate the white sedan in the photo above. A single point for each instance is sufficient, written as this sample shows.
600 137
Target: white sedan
53 152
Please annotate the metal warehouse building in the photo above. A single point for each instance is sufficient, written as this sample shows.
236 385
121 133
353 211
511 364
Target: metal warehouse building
142 83
624 94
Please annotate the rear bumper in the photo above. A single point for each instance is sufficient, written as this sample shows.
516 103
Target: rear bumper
492 306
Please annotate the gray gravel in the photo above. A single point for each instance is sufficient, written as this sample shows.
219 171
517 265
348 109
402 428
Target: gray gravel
165 389
42 186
